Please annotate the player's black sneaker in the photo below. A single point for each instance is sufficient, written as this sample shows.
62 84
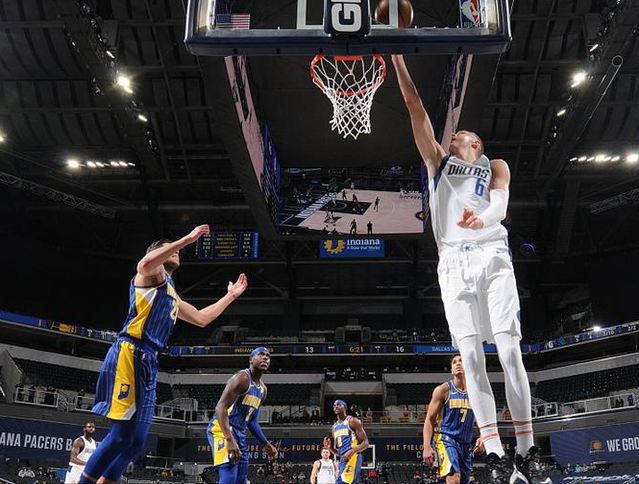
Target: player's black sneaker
531 467
499 468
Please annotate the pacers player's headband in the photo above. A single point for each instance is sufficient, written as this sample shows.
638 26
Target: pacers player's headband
342 403
261 349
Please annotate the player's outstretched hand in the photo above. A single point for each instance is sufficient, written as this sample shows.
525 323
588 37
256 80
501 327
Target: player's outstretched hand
271 450
197 232
234 450
470 220
239 287
428 455
327 442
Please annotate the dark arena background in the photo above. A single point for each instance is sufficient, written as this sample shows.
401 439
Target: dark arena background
126 121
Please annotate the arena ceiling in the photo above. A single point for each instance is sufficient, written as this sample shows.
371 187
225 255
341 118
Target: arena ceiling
59 101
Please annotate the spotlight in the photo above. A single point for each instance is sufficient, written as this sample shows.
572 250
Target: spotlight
130 164
615 158
574 158
594 47
100 164
590 158
596 328
91 164
561 112
114 163
74 164
632 158
583 158
600 158
125 83
143 118
110 54
123 164
578 78
607 158
2 138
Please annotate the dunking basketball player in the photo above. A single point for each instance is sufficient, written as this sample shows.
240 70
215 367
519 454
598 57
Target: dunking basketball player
324 469
468 201
350 441
126 385
449 427
83 448
237 409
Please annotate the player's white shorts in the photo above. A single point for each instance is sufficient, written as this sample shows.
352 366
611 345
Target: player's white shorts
479 290
73 474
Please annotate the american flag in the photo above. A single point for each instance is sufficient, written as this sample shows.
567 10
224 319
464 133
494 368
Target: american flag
233 20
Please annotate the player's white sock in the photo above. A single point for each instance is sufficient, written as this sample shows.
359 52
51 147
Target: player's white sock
524 435
517 388
492 442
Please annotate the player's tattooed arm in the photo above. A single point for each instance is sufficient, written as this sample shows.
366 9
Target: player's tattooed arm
362 438
237 384
328 444
423 132
205 316
434 408
150 270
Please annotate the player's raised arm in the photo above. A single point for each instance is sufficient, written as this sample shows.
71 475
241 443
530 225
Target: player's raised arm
434 408
203 317
237 384
151 265
423 132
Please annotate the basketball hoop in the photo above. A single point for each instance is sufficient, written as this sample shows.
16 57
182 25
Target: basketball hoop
350 83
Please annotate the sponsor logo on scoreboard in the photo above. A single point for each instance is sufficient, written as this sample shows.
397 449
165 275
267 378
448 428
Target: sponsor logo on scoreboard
351 248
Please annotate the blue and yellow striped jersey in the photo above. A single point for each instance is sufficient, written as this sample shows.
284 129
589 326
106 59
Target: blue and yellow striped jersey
152 313
456 418
243 408
344 436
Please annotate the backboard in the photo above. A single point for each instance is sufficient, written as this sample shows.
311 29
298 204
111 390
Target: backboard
295 27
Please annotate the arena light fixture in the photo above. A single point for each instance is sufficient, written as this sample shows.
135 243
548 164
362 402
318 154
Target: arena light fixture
590 158
73 164
615 158
632 158
574 158
596 328
143 118
578 78
114 163
100 164
110 54
599 158
583 158
91 164
2 138
125 83
594 47
561 112
123 164
130 164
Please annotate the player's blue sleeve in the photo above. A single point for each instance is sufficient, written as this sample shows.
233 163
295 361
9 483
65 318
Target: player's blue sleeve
256 430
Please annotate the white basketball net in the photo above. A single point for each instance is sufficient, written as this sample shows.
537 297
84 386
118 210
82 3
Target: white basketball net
350 83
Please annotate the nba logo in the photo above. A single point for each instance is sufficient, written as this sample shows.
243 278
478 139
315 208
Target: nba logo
472 13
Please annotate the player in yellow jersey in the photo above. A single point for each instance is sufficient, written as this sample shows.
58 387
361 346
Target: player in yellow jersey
125 390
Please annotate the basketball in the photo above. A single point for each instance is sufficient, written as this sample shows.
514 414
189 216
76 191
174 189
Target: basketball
405 13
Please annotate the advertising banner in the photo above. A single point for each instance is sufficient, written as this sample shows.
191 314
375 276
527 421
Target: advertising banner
613 443
351 248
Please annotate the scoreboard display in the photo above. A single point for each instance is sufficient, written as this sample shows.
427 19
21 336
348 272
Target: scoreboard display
228 245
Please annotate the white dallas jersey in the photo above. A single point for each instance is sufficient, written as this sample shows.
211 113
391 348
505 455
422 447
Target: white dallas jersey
456 185
326 473
87 449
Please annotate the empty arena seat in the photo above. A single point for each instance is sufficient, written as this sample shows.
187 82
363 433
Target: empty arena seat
588 385
61 377
420 393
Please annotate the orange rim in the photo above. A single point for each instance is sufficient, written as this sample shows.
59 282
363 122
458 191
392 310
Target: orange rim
342 58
